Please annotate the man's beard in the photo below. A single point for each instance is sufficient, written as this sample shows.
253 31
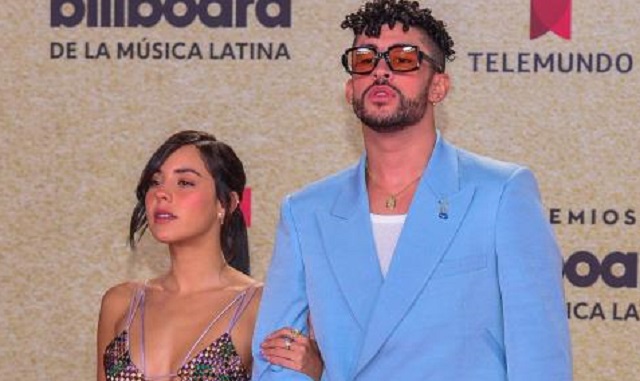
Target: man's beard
408 112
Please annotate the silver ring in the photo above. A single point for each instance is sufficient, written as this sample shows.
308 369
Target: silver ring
287 343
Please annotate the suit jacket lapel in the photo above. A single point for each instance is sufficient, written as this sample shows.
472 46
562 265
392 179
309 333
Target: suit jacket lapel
348 240
436 212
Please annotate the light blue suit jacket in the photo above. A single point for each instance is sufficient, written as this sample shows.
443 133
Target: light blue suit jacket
475 296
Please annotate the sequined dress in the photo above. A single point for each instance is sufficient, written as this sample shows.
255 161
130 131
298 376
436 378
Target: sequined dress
219 361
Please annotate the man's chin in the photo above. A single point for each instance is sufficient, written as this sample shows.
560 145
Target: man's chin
381 114
383 108
384 126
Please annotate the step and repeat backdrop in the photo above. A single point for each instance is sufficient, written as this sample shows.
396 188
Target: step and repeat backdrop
91 87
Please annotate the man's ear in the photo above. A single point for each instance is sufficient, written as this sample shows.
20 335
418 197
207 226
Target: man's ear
348 91
439 87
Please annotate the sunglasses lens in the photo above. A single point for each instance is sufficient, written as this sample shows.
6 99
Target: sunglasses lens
404 58
361 60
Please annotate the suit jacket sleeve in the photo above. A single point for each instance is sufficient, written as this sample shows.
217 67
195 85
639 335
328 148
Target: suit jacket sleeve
284 301
536 333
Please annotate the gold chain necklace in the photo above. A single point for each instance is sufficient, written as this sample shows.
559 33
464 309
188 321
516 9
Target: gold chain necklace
392 200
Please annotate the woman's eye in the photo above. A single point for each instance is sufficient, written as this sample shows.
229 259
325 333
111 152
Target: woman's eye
185 183
153 183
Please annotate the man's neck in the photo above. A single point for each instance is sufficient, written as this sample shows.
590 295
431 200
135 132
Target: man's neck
395 158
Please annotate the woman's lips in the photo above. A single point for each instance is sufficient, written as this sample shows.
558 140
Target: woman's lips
163 217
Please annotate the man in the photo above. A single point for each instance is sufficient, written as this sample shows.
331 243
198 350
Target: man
423 261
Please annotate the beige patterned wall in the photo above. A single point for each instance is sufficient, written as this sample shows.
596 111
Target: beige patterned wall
76 133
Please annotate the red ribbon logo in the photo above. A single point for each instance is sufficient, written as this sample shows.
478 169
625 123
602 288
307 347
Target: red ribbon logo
245 206
551 15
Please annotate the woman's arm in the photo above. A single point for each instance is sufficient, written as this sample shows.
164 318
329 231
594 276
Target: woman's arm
113 309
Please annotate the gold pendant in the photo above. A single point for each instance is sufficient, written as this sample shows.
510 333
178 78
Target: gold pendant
391 202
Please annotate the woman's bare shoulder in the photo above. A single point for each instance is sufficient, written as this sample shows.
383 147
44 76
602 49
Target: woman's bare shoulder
243 283
120 293
259 286
113 311
254 304
116 300
239 281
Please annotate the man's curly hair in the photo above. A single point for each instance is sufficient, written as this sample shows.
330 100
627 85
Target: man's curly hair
372 15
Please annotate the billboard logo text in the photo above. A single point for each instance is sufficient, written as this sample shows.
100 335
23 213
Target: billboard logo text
178 13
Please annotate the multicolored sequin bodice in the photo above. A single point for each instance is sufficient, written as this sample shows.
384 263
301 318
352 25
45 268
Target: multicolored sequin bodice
117 360
219 361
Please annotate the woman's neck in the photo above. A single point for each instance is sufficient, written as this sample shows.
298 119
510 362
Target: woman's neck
196 267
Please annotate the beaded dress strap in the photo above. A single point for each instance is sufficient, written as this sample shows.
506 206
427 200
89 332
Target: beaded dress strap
247 295
133 306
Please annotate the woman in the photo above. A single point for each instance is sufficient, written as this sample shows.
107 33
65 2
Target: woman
196 321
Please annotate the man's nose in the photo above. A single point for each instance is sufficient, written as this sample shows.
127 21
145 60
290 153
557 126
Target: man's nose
382 69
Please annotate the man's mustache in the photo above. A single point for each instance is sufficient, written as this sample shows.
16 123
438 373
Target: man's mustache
381 82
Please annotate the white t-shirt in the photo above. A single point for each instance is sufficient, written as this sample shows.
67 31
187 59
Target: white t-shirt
386 231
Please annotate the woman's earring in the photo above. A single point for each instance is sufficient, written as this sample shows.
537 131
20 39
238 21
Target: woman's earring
221 218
